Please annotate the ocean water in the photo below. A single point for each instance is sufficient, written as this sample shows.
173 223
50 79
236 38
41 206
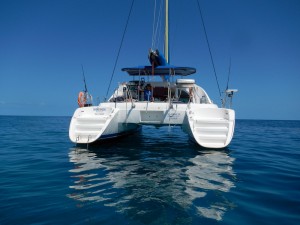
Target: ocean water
155 177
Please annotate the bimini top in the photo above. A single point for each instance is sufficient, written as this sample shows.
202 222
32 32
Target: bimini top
159 70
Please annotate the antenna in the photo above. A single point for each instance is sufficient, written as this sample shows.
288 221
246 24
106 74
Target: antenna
229 70
228 92
85 88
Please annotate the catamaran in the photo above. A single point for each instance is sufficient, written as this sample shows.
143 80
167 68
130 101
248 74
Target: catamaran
157 94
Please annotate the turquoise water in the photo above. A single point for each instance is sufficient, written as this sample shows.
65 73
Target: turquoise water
155 177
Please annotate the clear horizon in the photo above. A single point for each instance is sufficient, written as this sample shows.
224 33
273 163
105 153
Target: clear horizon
44 43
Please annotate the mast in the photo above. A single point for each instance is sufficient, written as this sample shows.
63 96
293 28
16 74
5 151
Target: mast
167 32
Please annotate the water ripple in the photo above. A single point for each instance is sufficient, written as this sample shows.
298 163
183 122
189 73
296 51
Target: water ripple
144 182
155 177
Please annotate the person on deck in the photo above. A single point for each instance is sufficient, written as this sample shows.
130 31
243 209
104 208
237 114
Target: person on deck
148 93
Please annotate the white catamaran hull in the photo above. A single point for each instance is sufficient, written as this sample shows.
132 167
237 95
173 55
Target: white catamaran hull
210 128
208 125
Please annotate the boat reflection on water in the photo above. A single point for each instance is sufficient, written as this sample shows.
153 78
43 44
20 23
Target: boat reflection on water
210 172
150 181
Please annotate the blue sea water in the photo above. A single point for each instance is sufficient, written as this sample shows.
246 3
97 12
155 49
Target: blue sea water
155 177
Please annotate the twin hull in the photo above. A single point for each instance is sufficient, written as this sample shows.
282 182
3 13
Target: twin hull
206 124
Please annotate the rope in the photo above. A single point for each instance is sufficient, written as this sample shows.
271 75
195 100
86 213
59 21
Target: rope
112 75
211 57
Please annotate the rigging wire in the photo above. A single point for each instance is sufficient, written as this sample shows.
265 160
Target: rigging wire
175 25
153 29
156 26
229 70
159 24
112 75
211 57
153 24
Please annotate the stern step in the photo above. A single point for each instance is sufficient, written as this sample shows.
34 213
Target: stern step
210 132
89 127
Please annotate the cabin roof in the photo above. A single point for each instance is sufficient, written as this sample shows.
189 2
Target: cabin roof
159 70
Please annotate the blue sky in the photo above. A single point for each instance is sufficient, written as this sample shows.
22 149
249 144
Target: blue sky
44 43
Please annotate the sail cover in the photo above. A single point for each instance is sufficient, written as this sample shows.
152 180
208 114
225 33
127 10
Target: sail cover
159 70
